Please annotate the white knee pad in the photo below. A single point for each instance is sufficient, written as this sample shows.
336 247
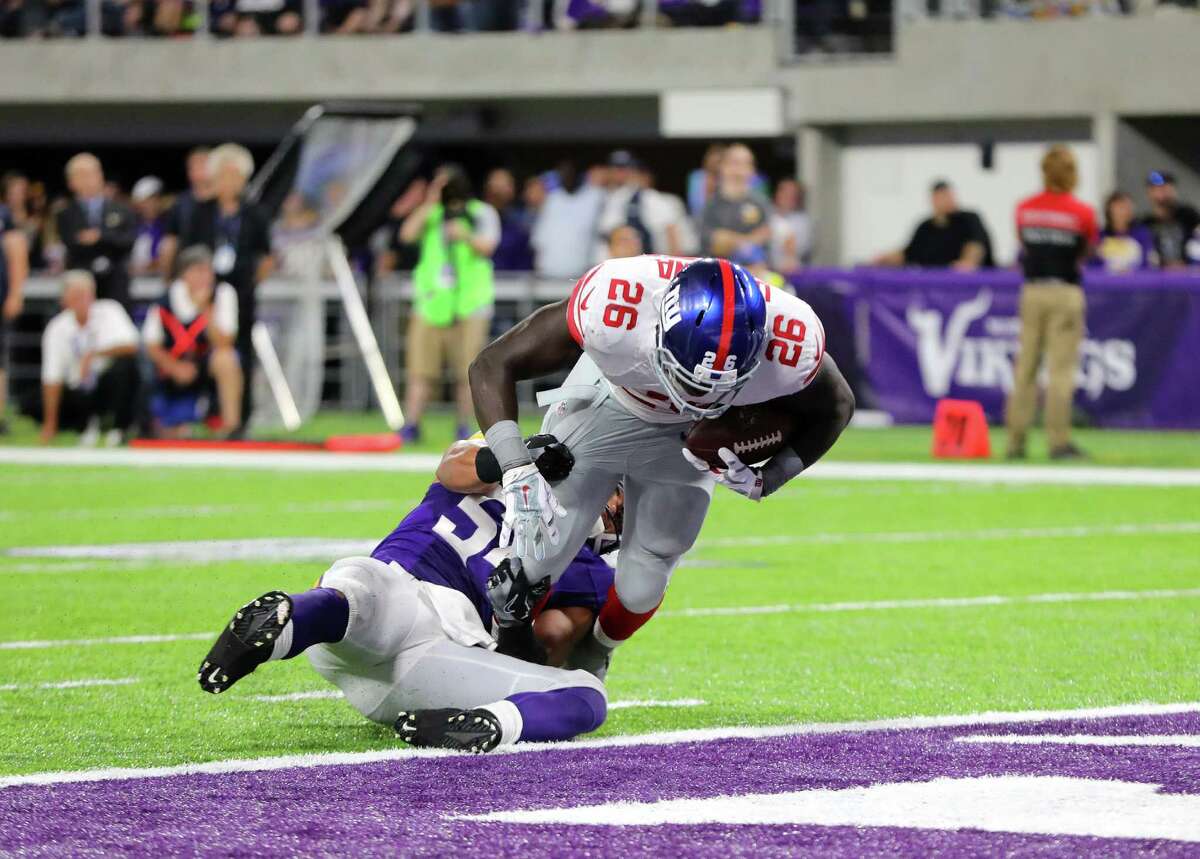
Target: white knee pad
383 605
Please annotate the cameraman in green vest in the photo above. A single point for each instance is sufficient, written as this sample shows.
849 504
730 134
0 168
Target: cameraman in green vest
456 235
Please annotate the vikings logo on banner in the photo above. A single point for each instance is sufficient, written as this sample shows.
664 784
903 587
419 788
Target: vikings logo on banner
922 336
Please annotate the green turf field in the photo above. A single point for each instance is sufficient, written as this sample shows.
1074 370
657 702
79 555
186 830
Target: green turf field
834 566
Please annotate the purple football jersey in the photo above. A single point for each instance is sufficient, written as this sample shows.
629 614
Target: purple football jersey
451 539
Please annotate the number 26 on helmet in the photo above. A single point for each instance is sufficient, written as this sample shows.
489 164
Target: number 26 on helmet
709 335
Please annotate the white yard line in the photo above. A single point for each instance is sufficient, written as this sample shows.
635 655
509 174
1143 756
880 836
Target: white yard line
652 703
698 735
70 684
721 611
426 463
288 460
39 644
311 695
936 602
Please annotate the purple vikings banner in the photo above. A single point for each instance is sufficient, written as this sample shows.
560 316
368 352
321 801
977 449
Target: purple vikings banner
911 338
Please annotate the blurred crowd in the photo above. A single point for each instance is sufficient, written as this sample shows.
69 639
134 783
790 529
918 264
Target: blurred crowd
560 222
242 18
836 26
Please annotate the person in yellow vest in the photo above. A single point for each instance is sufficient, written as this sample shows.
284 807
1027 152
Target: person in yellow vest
456 235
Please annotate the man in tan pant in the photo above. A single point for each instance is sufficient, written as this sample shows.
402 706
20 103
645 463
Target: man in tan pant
1056 231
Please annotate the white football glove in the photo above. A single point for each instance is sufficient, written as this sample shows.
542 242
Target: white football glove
529 513
738 476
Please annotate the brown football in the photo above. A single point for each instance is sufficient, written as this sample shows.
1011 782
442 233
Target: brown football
755 433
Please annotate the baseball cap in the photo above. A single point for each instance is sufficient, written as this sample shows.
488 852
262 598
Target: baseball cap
145 188
1160 177
622 158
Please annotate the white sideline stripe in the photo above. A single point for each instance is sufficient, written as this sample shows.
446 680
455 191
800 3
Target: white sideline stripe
672 702
70 684
426 463
319 694
281 460
936 602
719 611
326 549
51 568
1187 741
663 738
38 644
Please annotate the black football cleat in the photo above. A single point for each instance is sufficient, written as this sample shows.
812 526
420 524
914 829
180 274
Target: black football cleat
476 731
246 642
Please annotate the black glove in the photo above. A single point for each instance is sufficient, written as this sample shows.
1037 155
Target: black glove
550 455
512 596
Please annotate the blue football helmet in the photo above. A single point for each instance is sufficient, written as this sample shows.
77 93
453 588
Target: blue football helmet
712 322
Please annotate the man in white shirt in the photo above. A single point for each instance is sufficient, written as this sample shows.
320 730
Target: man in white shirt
633 201
565 230
89 373
190 337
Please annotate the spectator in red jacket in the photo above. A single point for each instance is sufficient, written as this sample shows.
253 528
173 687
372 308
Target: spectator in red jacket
1057 231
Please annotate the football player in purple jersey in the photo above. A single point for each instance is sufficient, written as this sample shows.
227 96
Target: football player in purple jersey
406 632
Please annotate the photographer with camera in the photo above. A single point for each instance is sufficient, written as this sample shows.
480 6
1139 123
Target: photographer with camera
453 296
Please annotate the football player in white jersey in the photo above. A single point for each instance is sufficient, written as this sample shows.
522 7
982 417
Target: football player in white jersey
665 342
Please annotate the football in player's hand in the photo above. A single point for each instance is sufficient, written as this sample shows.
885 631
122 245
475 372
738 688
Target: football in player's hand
755 433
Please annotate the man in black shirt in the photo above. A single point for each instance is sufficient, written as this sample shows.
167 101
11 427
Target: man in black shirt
1174 225
238 234
951 238
179 217
98 232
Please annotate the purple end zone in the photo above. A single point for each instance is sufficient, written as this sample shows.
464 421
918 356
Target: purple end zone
411 807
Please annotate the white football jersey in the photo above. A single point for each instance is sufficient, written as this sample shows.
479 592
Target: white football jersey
612 314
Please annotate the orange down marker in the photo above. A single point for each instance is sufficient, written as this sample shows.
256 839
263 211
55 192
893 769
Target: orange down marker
960 430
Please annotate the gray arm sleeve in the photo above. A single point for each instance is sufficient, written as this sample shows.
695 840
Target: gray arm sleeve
779 469
504 439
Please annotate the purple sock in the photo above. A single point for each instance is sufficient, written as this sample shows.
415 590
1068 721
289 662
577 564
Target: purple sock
318 616
559 714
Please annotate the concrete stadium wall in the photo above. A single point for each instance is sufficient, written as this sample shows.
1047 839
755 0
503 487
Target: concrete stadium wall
942 70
